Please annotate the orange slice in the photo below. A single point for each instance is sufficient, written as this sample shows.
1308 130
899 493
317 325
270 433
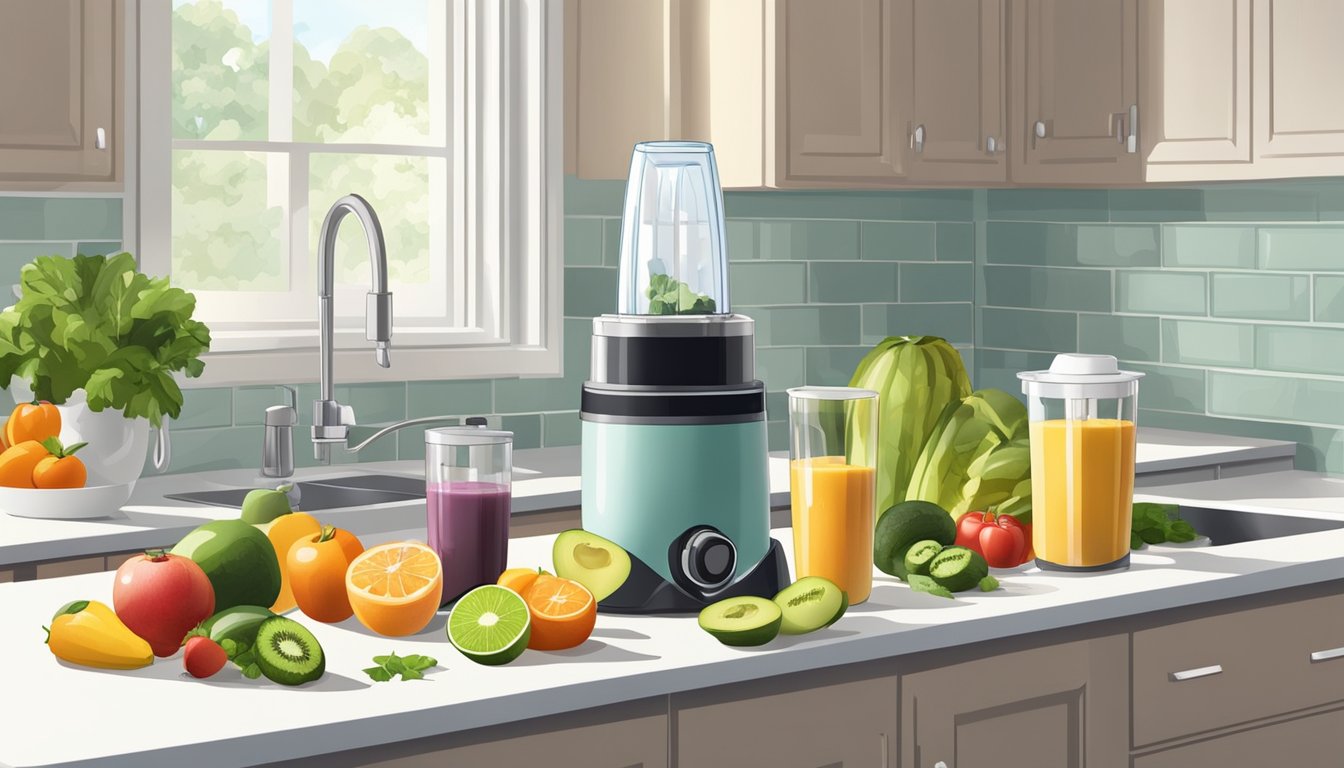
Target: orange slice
563 613
519 579
395 589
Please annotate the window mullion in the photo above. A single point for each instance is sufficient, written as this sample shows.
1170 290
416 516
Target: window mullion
280 76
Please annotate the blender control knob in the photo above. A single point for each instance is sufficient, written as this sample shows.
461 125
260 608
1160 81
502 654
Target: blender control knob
475 421
708 559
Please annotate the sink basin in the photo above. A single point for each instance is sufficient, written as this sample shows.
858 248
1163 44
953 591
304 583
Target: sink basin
335 493
1226 526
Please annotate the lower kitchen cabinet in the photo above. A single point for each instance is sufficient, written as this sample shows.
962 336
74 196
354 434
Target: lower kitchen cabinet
843 717
1311 740
1064 706
628 735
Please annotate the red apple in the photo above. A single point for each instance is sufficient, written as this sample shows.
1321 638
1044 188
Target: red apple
162 597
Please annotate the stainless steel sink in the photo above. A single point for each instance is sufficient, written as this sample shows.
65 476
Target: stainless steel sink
333 493
1225 526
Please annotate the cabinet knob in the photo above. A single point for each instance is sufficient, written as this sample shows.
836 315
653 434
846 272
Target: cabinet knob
1039 129
940 764
1333 653
100 139
991 145
917 138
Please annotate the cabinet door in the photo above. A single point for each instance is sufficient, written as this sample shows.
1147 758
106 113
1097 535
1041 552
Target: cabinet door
1299 94
1195 67
957 91
843 84
1064 706
58 87
624 87
1312 740
1075 79
843 718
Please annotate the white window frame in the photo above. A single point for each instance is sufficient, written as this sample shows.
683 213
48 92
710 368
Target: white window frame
506 177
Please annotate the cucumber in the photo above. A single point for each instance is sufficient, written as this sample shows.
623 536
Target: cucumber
926 584
809 604
958 568
743 620
918 556
239 624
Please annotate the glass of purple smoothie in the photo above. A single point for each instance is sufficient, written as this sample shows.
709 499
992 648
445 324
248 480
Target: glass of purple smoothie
468 481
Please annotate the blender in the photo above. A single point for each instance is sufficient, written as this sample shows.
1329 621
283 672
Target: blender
673 419
1082 414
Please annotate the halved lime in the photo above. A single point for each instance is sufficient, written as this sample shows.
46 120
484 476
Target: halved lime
490 625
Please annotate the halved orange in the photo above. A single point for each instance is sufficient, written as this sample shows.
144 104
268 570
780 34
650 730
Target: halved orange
395 589
563 613
519 579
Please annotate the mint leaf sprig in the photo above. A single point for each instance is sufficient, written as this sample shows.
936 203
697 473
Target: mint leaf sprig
242 655
408 667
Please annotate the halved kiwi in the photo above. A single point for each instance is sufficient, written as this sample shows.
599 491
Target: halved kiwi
287 652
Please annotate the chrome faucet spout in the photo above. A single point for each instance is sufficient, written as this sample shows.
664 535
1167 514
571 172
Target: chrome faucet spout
331 420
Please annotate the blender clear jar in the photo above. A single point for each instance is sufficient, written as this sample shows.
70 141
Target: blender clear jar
672 232
468 487
1082 415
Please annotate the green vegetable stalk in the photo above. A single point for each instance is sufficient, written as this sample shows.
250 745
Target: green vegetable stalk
96 323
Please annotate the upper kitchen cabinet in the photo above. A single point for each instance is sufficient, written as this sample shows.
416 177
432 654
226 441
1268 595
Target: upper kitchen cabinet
625 86
1195 84
958 91
60 84
1299 92
1075 83
841 77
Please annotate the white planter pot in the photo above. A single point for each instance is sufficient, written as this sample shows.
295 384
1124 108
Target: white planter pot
115 453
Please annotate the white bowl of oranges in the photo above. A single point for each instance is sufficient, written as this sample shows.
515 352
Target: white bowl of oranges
41 477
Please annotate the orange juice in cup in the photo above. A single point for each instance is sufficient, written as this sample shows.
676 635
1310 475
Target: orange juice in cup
832 477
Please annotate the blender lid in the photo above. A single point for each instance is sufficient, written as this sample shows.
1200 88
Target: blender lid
1073 375
830 393
467 436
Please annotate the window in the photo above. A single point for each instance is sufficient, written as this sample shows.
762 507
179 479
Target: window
256 115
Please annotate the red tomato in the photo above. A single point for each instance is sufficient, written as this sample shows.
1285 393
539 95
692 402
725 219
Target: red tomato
968 530
162 597
1003 541
203 657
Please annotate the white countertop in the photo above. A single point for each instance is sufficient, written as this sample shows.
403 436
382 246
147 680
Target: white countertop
543 479
231 721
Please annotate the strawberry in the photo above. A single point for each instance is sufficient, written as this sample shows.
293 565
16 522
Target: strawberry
203 657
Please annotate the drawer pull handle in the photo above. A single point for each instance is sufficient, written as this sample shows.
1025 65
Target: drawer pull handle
1333 653
1191 674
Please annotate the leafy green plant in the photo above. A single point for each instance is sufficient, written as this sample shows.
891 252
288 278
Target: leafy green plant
669 296
97 323
1157 524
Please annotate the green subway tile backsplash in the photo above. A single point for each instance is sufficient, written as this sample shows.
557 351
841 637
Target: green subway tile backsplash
1128 338
1329 298
1300 349
1230 297
852 282
936 282
1028 329
1154 293
888 240
1208 246
1197 342
1310 248
1087 290
1261 296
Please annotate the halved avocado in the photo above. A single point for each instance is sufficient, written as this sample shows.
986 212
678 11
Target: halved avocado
598 564
742 620
809 604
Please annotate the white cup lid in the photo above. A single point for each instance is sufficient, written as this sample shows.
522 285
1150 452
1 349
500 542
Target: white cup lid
1075 368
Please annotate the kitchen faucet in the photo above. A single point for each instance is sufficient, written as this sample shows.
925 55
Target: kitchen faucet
331 420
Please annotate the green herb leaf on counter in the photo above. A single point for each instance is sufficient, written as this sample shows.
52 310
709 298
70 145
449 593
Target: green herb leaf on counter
1157 524
921 583
243 656
408 667
989 584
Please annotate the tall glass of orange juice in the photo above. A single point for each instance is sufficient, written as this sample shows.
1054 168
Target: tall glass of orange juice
1082 422
832 476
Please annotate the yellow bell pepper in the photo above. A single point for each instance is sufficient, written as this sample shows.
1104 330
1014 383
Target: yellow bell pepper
88 633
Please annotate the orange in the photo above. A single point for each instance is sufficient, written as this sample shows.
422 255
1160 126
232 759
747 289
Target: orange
317 566
18 462
395 589
563 613
519 579
283 532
